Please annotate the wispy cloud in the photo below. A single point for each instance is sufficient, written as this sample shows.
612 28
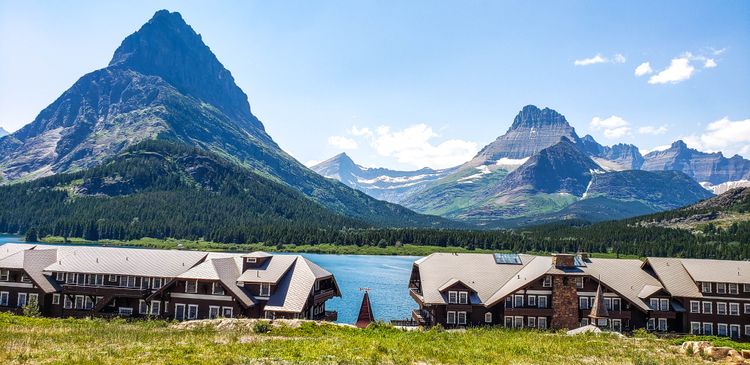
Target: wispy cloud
725 135
599 58
344 143
613 126
652 130
643 69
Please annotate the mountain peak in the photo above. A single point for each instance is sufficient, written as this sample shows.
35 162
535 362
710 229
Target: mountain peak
531 116
167 47
679 144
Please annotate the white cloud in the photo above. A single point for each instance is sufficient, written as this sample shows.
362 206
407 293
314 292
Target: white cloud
614 126
345 143
652 130
645 151
710 63
598 58
679 70
415 146
725 135
643 69
312 163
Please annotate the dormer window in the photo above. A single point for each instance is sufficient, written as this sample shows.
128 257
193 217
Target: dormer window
265 289
452 297
721 288
60 276
734 288
217 289
70 278
547 282
4 275
705 287
25 278
251 260
463 297
579 282
191 286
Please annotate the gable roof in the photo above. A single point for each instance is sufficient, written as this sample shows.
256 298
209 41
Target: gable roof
270 271
673 276
34 262
293 290
718 271
126 261
9 249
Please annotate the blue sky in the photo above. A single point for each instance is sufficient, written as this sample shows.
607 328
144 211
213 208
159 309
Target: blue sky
405 84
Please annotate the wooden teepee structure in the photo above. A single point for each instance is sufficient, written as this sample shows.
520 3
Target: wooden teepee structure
365 316
598 308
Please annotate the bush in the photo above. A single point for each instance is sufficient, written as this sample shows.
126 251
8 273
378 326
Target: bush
261 327
31 309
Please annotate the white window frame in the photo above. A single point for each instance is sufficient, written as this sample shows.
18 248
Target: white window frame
179 313
608 303
154 282
60 276
214 285
187 286
541 301
651 324
114 278
695 328
721 288
145 283
21 303
508 320
55 299
67 302
695 307
531 322
488 317
531 300
224 312
746 288
518 301
616 305
616 325
662 324
579 282
450 317
583 303
734 309
518 322
142 307
734 288
82 303
721 309
265 289
125 311
710 327
214 311
739 330
541 322
4 275
452 297
653 303
461 317
664 305
189 308
70 278
88 303
155 308
719 327
251 260
4 298
747 330
463 297
547 281
747 308
710 307
705 287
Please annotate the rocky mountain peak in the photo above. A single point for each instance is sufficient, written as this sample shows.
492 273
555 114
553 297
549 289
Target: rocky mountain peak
3 132
166 46
679 144
531 116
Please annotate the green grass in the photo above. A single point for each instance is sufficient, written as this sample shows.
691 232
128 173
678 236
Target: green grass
74 341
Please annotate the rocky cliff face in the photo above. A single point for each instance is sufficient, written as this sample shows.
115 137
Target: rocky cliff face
712 168
533 130
164 83
3 132
380 183
618 157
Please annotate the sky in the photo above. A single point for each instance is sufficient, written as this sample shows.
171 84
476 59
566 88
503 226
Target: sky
409 84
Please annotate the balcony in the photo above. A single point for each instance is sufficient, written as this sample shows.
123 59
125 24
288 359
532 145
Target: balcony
529 311
419 317
323 295
330 316
416 294
105 291
612 314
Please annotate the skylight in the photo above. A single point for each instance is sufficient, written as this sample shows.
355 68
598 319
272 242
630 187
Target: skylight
507 258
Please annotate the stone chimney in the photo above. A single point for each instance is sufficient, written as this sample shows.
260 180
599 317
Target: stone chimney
564 303
563 260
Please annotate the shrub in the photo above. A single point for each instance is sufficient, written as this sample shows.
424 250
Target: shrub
261 327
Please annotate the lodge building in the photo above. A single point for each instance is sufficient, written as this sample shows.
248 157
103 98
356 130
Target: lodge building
83 281
709 297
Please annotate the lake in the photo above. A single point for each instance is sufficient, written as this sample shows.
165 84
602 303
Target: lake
387 278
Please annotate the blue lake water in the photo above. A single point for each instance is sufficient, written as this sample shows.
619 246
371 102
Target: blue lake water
387 278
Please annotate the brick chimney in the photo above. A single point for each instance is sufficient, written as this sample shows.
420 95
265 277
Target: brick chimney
563 260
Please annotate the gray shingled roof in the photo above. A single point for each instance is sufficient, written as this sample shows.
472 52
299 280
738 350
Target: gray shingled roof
34 262
9 249
294 289
674 277
270 271
718 271
126 261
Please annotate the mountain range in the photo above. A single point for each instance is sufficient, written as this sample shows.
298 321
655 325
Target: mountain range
163 83
3 132
541 170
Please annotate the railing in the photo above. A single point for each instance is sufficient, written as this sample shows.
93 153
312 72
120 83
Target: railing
324 294
404 323
529 311
329 316
104 291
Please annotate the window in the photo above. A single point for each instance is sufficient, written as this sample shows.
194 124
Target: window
81 279
452 297
579 282
113 278
461 317
451 317
192 311
265 289
708 329
125 311
4 298
734 309
695 306
707 308
213 312
463 297
488 317
509 302
508 322
25 278
79 302
721 288
518 322
98 299
60 276
145 283
664 305
746 288
131 281
747 330
56 299
4 275
541 322
734 288
705 287
542 301
251 260
217 289
617 325
722 329
584 322
662 324
532 301
531 322
695 328
653 303
583 302
227 312
734 331
142 307
747 308
99 279
21 299
70 278
156 283
547 282
616 303
67 303
721 309
88 303
608 303
155 307
191 286
179 312
518 301
651 324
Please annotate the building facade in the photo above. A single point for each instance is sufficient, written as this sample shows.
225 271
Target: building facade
525 291
80 281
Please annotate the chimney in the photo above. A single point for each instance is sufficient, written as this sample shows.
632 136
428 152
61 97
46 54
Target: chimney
584 255
563 260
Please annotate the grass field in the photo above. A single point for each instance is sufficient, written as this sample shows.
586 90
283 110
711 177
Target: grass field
25 340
